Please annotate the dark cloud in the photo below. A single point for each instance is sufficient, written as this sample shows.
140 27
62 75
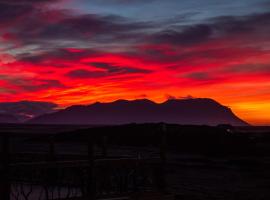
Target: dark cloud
11 12
38 84
21 11
185 36
55 56
123 2
24 110
27 1
5 90
201 76
34 26
254 24
108 70
265 4
83 73
82 29
248 68
31 23
115 69
73 29
30 85
250 26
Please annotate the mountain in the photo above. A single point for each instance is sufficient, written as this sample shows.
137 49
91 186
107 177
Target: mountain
25 110
181 111
7 118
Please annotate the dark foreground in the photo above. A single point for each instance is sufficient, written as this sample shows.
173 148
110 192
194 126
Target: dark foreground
148 161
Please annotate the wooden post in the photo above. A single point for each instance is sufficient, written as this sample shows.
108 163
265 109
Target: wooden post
4 169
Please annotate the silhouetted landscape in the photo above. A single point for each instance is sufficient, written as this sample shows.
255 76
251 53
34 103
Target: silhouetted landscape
7 118
173 161
186 111
124 150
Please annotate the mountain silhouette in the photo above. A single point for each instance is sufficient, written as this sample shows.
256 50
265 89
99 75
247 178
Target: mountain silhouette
25 110
181 111
7 118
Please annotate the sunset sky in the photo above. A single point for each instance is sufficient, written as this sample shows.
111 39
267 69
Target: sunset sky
82 51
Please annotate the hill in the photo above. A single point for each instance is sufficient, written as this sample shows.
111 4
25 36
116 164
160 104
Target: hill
180 111
7 118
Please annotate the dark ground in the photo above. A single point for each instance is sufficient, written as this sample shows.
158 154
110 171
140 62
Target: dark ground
202 162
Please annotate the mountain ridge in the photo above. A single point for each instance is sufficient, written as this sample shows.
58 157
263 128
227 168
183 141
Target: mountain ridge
195 111
8 118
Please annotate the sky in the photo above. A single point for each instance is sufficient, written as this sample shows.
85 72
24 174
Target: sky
68 52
